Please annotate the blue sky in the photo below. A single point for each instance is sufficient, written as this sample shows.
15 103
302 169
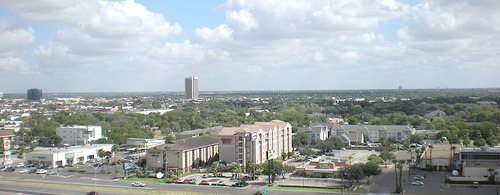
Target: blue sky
143 45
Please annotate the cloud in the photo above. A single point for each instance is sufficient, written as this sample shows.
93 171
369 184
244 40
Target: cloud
14 43
294 44
117 29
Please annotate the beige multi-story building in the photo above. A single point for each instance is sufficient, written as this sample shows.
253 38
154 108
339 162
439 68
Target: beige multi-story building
253 142
183 154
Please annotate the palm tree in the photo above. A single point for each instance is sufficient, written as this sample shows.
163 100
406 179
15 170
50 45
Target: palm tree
107 155
452 154
115 148
395 162
430 158
101 154
165 169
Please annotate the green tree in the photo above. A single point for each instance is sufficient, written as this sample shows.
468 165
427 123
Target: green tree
387 156
306 152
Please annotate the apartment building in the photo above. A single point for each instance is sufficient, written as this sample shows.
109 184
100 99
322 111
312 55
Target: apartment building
79 135
316 133
253 142
373 133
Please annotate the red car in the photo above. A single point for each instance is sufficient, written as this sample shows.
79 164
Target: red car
175 180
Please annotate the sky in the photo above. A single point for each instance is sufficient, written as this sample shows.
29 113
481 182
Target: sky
241 45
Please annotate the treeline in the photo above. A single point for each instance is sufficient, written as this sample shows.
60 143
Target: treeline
456 126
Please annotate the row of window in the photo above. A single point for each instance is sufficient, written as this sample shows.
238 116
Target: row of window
480 157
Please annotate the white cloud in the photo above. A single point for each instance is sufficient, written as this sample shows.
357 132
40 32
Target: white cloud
117 29
14 43
263 44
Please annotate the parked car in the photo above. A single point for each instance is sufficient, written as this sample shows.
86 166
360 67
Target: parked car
205 176
41 171
221 183
418 177
175 180
10 169
192 181
181 181
475 184
138 184
204 182
23 171
92 193
21 164
417 183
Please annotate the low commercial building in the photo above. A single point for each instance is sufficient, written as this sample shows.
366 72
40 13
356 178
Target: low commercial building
323 167
480 162
184 154
65 156
440 157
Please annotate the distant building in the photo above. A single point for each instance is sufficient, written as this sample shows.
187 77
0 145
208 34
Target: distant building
34 94
372 133
191 85
79 135
316 133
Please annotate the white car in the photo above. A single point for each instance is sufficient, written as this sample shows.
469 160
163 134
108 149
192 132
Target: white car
23 171
417 183
419 177
138 184
41 171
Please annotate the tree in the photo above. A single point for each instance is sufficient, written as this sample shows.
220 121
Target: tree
370 169
300 139
387 156
306 152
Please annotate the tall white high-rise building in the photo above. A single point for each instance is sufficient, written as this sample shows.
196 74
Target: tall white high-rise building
191 84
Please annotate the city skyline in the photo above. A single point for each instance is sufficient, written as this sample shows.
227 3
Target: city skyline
145 46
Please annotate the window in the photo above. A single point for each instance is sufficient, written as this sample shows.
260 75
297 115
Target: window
240 139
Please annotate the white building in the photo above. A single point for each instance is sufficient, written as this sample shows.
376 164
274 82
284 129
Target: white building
65 155
252 142
79 135
373 133
316 133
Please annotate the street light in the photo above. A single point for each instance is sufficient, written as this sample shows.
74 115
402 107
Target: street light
95 176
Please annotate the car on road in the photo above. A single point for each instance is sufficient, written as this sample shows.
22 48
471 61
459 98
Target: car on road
417 183
138 184
92 193
204 182
475 184
192 181
9 169
175 180
23 171
205 176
